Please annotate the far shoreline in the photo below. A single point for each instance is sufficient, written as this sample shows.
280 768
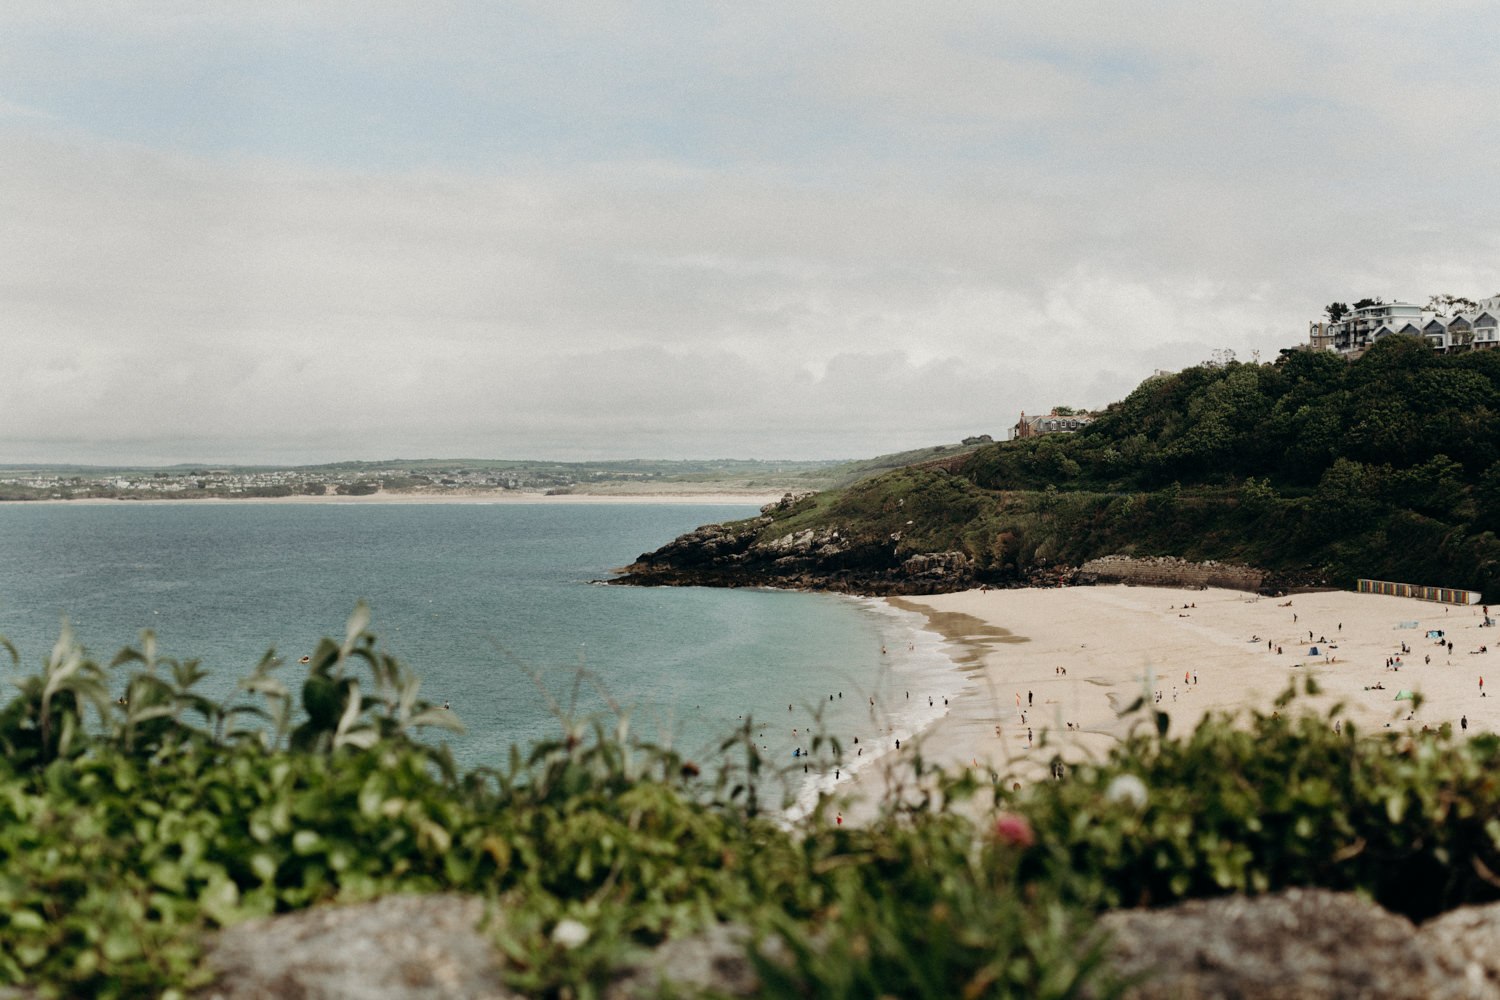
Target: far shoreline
508 497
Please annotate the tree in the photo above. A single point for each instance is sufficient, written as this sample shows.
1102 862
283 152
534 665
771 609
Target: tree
1451 304
1363 303
1336 311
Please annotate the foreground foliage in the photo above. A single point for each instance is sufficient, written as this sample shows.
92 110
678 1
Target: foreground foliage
1273 802
129 831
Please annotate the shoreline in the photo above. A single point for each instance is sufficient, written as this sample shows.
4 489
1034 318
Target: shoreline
517 497
914 665
1203 651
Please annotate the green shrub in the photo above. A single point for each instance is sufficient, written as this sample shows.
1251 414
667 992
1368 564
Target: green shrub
128 831
1283 801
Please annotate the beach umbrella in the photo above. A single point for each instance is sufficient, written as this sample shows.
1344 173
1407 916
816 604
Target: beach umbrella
1403 696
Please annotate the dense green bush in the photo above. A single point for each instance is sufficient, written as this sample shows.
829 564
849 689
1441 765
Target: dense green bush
1272 802
129 831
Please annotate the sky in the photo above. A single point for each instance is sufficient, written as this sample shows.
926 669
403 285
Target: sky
295 232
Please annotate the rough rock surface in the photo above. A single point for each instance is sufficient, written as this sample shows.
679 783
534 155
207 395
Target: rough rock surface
1166 571
827 558
1466 942
716 960
431 947
855 559
396 948
1302 944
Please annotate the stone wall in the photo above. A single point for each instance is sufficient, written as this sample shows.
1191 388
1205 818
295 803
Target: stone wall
1166 571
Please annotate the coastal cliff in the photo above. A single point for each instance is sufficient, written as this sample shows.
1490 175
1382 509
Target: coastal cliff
1309 471
755 553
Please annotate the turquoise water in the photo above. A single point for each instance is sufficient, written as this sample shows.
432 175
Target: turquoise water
482 600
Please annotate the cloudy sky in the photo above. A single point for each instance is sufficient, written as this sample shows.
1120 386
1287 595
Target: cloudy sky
298 231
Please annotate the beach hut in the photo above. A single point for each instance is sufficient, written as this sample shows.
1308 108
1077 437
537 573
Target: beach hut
1403 696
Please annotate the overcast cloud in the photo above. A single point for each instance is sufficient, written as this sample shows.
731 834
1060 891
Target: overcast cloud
297 232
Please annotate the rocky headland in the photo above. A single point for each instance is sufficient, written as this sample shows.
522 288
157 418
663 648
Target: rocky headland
752 553
853 559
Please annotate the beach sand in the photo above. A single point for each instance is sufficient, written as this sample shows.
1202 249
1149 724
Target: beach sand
1203 650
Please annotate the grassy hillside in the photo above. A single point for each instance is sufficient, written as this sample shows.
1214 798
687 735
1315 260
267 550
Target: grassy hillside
1311 467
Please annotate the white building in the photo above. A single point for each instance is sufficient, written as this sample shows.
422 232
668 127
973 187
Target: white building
1475 329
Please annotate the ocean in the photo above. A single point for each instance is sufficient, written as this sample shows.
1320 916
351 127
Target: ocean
492 605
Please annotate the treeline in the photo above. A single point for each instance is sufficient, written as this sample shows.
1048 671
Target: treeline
1312 465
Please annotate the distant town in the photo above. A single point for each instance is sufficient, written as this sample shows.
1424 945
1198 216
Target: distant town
364 480
456 477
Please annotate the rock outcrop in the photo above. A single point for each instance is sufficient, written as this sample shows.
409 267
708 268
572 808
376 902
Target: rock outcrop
1166 571
396 948
751 554
438 948
1301 944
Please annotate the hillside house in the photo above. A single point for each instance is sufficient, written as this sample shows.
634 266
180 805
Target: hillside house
1051 423
1477 329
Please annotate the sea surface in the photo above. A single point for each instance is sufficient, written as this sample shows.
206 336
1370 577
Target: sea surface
494 607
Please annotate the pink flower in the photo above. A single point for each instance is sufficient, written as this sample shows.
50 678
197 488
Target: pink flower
1013 828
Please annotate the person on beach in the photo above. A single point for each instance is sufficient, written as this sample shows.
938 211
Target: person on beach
1463 723
1028 699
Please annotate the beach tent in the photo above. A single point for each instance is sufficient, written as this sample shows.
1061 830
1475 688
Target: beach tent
1402 696
1313 651
1434 633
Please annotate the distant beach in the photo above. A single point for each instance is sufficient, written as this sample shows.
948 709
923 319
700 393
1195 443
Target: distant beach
1198 651
469 497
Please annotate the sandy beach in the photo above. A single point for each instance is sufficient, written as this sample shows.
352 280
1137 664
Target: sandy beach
1198 651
